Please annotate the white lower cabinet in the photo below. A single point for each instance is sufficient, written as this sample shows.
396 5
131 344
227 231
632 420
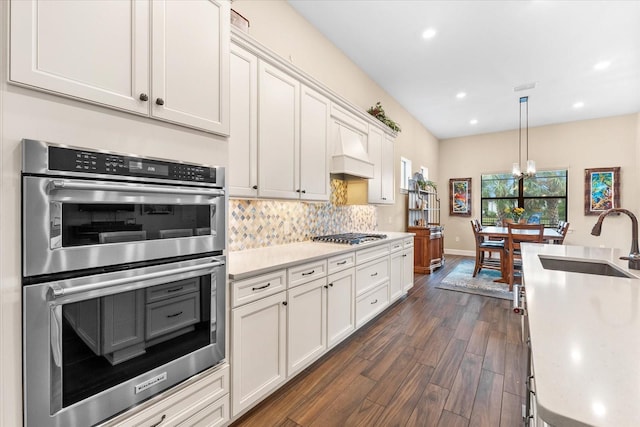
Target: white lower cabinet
205 402
306 324
341 314
407 265
396 273
258 349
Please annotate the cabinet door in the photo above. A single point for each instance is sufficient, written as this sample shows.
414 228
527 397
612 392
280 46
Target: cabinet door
341 318
92 50
387 161
122 317
407 269
278 133
375 155
314 134
306 320
258 345
242 175
396 280
191 63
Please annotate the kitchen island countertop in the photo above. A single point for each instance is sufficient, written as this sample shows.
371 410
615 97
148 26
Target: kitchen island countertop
585 339
250 262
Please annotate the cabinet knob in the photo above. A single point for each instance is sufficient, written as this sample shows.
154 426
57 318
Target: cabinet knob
298 190
255 187
284 303
304 191
160 101
144 97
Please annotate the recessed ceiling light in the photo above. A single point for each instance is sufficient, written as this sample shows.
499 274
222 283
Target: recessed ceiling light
428 33
602 65
579 104
473 121
461 95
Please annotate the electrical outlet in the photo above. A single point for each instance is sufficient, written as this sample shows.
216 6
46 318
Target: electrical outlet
457 238
390 220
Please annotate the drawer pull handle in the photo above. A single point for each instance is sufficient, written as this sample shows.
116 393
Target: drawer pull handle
342 262
404 255
261 287
311 272
175 289
331 284
159 422
374 302
175 314
374 274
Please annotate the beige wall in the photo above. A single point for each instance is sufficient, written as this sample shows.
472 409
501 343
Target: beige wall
605 142
280 28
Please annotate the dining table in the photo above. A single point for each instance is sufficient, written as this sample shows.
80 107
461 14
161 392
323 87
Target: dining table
498 232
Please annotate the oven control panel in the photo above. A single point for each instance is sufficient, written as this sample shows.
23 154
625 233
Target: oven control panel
85 161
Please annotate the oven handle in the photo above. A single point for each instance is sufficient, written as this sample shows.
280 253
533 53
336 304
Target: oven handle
58 184
58 291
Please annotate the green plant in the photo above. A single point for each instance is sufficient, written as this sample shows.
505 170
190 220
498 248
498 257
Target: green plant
516 213
378 112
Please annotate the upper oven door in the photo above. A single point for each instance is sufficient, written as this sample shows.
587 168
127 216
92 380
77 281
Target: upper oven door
74 224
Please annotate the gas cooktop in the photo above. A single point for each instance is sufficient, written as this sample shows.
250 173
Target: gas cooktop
349 238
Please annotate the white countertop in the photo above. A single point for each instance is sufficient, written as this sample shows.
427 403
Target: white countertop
585 340
251 262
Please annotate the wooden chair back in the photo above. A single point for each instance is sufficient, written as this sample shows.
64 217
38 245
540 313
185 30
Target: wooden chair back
521 233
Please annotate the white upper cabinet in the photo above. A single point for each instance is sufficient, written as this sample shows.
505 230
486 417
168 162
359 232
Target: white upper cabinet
100 52
314 134
381 186
242 175
278 133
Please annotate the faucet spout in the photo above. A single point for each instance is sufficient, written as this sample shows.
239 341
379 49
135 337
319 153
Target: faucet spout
634 254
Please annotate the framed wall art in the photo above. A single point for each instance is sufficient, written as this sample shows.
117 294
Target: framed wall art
460 196
601 190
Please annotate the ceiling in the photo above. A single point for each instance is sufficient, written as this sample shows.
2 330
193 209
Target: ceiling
486 49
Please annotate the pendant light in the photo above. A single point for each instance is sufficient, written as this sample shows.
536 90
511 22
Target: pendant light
531 164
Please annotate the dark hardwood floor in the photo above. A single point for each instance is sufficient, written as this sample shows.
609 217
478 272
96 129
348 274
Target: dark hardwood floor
435 358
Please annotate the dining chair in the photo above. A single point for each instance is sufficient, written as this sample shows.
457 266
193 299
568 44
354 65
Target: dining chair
563 228
517 234
484 247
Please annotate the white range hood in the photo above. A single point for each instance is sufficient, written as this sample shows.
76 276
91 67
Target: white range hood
350 157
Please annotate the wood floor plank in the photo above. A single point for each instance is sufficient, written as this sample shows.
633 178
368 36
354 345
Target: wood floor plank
429 408
463 390
365 415
511 413
465 326
394 353
420 338
495 355
449 419
446 370
344 403
388 384
436 345
479 337
515 369
406 398
488 404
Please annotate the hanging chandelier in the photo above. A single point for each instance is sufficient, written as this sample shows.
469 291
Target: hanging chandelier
531 164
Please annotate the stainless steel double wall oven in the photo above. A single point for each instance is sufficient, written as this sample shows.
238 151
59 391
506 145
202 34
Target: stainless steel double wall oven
123 279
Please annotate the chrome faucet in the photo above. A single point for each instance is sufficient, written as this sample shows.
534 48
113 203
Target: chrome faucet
634 256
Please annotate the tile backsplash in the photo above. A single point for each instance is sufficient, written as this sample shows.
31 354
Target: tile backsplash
258 223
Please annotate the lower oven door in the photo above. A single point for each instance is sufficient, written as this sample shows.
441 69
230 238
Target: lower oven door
97 345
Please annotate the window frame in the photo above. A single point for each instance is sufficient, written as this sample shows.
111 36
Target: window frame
405 165
520 198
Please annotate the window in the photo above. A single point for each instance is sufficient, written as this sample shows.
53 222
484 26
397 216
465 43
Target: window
405 173
543 197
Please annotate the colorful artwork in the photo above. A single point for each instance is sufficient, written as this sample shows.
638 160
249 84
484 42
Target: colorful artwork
601 190
460 196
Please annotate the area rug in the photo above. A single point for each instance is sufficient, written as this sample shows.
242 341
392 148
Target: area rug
461 280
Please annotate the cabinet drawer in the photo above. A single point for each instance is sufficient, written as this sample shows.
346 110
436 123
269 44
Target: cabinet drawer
408 243
370 275
371 303
248 290
396 246
168 290
368 254
341 262
208 413
174 406
171 315
306 272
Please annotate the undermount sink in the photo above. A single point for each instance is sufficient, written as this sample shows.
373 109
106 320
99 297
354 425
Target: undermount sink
587 266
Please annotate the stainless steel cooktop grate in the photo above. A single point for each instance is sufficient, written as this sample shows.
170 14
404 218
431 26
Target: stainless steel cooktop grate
349 238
